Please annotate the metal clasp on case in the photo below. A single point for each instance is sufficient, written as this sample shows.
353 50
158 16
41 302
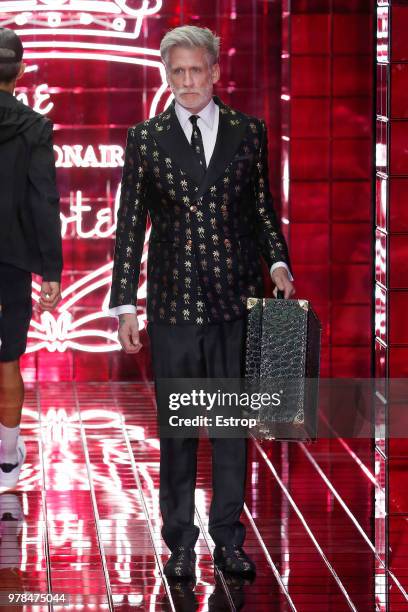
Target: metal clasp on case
251 302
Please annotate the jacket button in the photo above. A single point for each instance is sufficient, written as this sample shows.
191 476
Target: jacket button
189 242
193 208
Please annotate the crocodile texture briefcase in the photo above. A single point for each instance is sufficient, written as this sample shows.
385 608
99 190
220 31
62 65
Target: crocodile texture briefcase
283 358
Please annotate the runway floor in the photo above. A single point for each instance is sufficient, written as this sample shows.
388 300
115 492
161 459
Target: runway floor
89 523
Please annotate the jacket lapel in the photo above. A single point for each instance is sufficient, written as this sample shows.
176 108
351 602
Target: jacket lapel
168 133
231 130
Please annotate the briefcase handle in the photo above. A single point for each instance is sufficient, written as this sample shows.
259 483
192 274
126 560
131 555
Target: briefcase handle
280 294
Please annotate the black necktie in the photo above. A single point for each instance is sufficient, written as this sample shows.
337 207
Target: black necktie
197 142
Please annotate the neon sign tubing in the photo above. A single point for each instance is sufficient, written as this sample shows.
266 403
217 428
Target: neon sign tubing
109 58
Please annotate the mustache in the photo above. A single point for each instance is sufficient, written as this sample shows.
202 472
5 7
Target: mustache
183 90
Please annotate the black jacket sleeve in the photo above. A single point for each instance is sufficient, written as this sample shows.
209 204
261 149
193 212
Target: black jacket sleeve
44 201
271 241
131 227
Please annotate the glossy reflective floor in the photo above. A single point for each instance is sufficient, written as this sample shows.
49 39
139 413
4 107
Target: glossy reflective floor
89 523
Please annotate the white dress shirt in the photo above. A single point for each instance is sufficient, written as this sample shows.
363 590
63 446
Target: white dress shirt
208 120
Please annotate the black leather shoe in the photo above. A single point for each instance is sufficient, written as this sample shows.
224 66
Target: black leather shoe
181 563
233 559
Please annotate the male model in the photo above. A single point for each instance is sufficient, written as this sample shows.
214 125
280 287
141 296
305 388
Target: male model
200 171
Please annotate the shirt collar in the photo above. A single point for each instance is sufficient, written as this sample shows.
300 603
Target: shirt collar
207 114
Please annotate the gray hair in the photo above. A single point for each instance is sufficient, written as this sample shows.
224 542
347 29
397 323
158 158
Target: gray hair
190 36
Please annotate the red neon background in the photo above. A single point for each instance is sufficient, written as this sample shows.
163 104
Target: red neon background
308 73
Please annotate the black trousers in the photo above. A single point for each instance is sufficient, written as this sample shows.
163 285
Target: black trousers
210 351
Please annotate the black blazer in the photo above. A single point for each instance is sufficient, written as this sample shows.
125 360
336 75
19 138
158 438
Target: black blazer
208 230
30 226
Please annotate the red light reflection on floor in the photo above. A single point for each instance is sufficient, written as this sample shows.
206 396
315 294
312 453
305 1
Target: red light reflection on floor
88 521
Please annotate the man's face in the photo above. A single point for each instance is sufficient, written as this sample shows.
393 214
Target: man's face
191 77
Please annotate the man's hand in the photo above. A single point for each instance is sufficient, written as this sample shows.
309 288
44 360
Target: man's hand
50 295
128 333
281 279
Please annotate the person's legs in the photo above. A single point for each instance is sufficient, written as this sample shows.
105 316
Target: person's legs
176 354
178 471
11 393
11 404
224 353
229 464
211 351
15 315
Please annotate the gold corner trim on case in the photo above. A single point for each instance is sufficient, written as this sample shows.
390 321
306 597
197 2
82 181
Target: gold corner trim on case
299 418
251 302
303 304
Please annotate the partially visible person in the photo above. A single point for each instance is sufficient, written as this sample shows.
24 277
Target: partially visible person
30 241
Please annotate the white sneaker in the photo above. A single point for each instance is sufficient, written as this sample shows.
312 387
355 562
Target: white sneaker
9 479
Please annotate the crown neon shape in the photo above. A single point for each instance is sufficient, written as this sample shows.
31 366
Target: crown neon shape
114 18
